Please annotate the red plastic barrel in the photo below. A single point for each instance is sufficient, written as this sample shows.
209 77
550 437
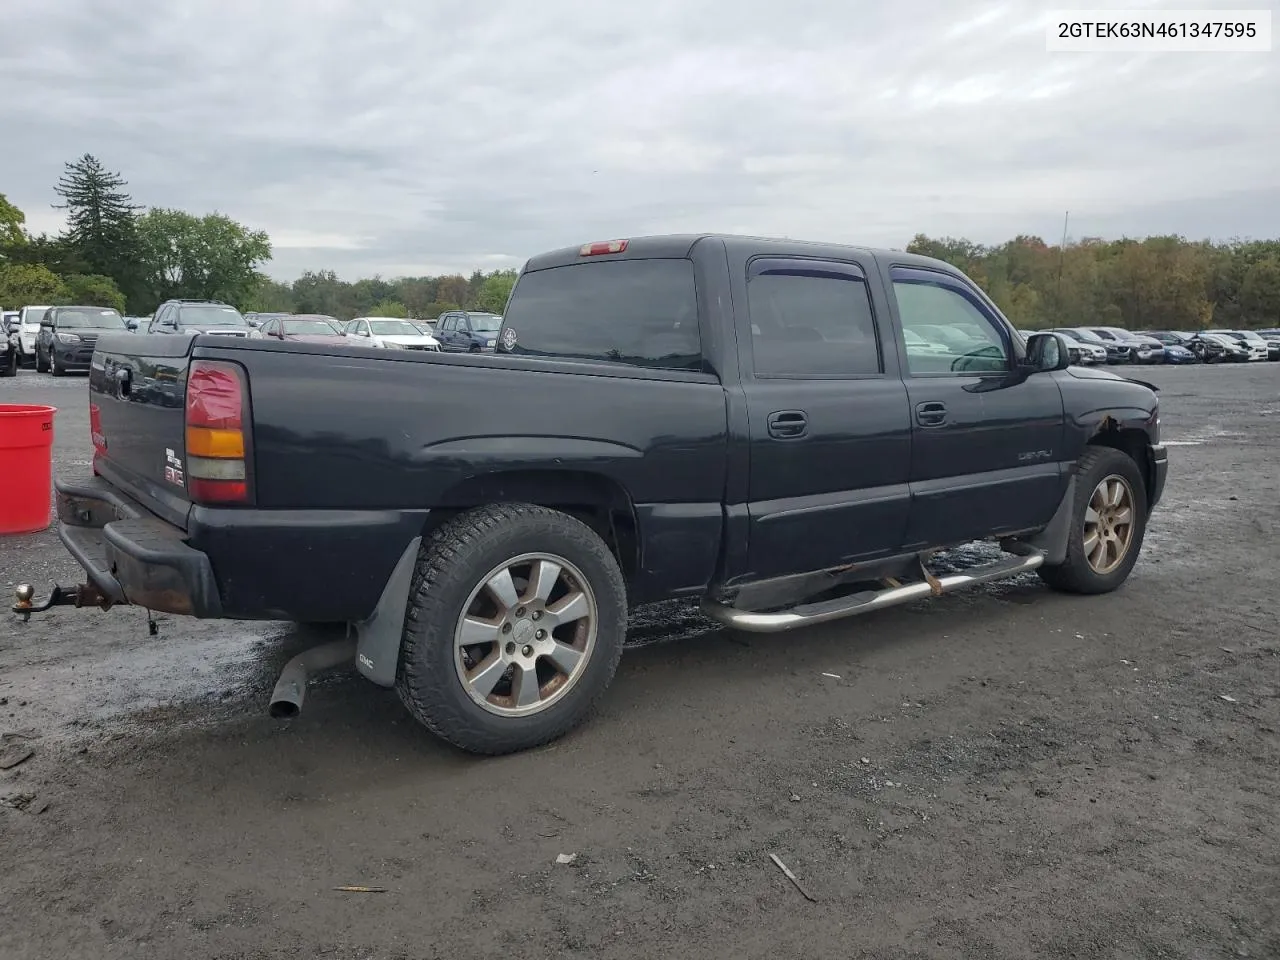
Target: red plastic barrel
26 467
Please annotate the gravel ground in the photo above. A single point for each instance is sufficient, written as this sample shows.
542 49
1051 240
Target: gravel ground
1008 773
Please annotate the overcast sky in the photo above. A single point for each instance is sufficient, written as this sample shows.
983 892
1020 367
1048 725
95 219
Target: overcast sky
399 137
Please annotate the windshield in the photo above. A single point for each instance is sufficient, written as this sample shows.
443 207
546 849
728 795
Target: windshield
394 328
87 318
1250 335
485 322
315 328
211 316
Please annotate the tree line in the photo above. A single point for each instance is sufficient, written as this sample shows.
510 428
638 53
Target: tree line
1158 283
115 253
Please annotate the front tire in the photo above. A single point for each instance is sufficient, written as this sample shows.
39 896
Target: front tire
41 366
514 628
1108 524
55 368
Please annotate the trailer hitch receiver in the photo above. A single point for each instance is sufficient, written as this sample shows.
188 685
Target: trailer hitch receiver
81 595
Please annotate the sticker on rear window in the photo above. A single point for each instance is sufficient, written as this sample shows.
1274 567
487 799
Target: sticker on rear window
508 339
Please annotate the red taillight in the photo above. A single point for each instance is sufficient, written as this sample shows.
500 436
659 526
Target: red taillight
603 247
95 430
215 441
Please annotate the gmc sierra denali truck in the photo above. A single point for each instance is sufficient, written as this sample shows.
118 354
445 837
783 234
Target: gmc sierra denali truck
787 431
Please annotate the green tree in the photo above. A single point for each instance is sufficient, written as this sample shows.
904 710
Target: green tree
453 289
271 296
12 221
320 291
437 307
24 284
493 293
92 290
101 221
1260 293
388 308
209 257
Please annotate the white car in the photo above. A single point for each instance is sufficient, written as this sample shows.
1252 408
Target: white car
28 331
389 332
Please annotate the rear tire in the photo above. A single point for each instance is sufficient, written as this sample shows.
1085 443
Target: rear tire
488 696
1105 537
9 367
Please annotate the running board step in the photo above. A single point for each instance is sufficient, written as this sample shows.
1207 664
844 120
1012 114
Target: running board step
806 614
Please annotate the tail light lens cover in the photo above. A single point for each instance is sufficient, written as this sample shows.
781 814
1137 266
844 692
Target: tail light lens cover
217 420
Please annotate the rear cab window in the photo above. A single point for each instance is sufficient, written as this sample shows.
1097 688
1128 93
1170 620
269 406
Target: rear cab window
641 312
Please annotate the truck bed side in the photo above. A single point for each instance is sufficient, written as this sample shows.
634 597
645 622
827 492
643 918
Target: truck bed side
368 443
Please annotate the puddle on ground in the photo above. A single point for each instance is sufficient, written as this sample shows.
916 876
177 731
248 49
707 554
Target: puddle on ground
73 689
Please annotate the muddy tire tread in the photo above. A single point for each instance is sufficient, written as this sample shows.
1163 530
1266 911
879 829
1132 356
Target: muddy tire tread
1074 575
432 610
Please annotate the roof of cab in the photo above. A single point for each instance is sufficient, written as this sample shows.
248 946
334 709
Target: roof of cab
679 245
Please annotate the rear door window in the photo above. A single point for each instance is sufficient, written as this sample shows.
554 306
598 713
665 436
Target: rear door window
638 312
811 320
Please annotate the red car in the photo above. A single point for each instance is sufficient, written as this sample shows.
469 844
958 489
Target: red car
305 327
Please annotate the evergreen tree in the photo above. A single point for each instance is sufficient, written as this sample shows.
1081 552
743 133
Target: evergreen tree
101 221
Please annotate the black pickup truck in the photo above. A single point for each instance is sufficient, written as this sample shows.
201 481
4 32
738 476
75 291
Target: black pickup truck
787 431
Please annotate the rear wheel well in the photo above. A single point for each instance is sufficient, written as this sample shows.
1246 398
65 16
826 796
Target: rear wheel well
598 501
1130 441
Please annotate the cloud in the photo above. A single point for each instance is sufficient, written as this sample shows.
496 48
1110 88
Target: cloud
417 138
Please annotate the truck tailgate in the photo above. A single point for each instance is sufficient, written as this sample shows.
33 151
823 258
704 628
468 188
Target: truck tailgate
136 388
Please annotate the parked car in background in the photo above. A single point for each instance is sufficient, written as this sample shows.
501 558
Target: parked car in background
28 330
1178 353
1116 352
1253 344
1207 350
390 332
1233 350
1141 350
68 335
192 317
10 348
255 318
1254 340
426 326
303 328
917 344
1089 354
467 331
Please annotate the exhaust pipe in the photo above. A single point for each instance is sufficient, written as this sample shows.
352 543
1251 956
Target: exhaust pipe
291 688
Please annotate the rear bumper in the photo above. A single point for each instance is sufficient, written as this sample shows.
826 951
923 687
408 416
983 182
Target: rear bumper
1159 473
305 565
131 555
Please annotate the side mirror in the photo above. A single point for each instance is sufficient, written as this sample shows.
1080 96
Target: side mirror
46 324
1047 351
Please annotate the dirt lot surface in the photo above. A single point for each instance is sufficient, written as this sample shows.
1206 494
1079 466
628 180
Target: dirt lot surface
1008 773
